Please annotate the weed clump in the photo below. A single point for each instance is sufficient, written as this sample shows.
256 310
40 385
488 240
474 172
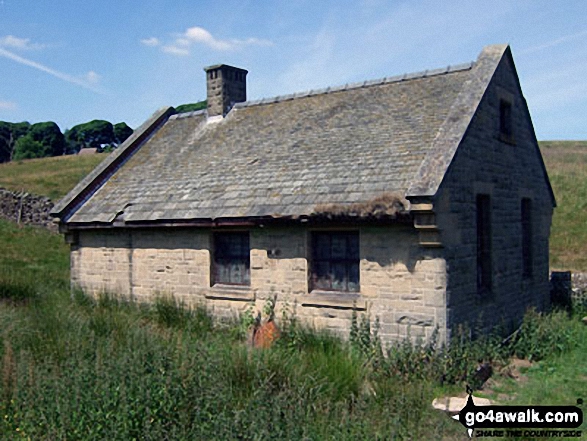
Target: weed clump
387 205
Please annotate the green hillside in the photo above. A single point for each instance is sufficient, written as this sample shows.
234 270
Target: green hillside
52 177
566 162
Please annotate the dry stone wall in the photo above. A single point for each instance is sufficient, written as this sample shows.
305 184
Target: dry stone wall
26 208
579 288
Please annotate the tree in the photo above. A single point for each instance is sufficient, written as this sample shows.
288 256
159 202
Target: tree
182 108
121 132
27 148
9 134
50 136
96 134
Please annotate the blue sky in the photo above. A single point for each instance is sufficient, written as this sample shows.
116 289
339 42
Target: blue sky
72 61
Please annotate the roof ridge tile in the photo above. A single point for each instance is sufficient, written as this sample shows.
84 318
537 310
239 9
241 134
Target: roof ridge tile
357 85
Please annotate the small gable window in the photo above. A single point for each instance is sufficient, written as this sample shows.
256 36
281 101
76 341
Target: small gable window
335 261
231 259
506 130
484 264
526 210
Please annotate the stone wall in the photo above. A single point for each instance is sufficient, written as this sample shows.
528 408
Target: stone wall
507 172
401 284
25 208
579 288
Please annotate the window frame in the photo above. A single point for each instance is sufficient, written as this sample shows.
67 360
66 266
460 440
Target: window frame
351 263
506 120
527 245
219 252
483 229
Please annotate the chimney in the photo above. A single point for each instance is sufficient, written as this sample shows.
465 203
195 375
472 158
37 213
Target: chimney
226 85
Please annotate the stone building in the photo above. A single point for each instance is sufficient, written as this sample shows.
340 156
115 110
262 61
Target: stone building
421 199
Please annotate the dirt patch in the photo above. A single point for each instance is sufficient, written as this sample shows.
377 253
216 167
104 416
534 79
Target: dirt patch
515 370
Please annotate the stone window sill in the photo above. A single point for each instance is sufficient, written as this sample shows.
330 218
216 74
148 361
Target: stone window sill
334 299
231 292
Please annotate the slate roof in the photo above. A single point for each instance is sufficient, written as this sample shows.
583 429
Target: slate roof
284 156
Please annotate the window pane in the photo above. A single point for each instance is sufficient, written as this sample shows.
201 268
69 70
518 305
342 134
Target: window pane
321 275
222 246
244 246
335 263
353 246
353 283
236 272
339 277
321 247
222 272
339 246
231 258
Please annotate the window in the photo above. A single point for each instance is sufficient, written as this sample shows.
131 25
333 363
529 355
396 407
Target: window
335 261
505 120
483 244
526 210
231 259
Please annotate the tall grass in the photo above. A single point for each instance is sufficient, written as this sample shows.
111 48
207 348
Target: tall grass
97 369
105 368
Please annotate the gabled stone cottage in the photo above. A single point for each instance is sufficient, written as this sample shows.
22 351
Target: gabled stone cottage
422 199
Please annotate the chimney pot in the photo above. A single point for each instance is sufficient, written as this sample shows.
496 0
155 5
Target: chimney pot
226 85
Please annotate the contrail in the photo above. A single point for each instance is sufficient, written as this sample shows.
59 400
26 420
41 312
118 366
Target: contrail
552 43
42 68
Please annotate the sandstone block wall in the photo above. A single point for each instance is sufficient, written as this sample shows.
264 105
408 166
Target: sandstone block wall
507 172
401 284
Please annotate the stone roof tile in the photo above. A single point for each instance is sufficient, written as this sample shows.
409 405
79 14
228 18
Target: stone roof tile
284 155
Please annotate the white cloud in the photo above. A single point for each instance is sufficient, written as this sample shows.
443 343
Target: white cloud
13 42
62 76
198 35
7 105
201 35
174 50
153 41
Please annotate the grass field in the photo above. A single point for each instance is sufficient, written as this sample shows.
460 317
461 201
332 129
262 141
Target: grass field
566 162
52 177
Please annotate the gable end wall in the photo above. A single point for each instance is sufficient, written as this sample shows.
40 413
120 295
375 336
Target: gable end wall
507 172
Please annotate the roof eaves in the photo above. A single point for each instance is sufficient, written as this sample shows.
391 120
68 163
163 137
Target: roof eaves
96 178
452 131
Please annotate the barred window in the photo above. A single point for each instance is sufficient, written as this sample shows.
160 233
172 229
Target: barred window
232 258
335 261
